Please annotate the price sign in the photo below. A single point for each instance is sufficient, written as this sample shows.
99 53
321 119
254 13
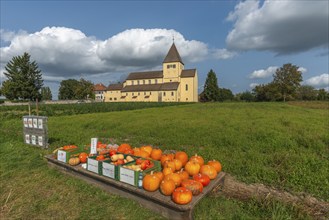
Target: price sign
93 146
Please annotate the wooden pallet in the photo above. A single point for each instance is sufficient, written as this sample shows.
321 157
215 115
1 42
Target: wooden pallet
152 200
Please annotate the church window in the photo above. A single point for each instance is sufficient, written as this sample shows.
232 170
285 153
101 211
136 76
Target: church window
138 94
143 81
137 82
149 81
115 98
132 82
168 66
174 66
172 93
156 81
133 93
186 87
164 93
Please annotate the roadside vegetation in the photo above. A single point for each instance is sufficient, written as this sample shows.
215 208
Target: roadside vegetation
276 144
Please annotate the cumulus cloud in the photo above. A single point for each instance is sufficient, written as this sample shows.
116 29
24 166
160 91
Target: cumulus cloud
65 52
253 85
302 69
280 26
320 81
263 73
223 54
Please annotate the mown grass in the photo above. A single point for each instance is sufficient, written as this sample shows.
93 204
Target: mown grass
271 143
7 112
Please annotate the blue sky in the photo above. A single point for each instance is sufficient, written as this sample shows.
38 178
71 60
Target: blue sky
102 41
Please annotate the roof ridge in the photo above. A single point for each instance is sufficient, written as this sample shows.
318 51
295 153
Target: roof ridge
173 55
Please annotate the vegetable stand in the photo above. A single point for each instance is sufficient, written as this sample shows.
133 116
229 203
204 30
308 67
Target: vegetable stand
151 200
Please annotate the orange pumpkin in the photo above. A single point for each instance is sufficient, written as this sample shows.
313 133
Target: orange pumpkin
123 147
144 154
156 154
178 164
182 195
83 157
182 156
167 187
167 170
148 149
195 186
209 171
151 182
170 164
216 164
175 177
159 174
183 174
164 158
171 156
192 167
197 159
136 151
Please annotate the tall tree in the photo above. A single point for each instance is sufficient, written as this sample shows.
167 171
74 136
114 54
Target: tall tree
287 79
211 90
74 89
24 79
46 93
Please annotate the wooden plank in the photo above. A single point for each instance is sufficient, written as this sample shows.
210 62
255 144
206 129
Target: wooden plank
152 200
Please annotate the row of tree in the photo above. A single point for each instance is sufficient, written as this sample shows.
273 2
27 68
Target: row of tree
286 85
24 82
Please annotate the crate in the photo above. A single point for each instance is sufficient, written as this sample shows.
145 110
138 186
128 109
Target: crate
96 166
65 155
111 170
133 177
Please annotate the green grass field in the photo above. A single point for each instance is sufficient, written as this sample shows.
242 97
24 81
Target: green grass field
277 144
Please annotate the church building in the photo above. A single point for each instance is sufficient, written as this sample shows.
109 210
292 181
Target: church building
173 83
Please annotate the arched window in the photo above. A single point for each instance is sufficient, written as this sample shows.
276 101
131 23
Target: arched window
186 87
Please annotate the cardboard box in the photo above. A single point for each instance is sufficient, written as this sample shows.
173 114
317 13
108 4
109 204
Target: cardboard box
65 155
111 170
133 177
96 166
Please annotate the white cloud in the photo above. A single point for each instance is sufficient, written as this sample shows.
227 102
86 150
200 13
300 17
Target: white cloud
65 52
253 85
320 81
263 73
302 69
223 54
280 26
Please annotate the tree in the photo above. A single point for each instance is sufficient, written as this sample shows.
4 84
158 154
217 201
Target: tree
24 79
287 79
246 96
306 92
323 95
74 89
211 90
267 92
46 93
225 94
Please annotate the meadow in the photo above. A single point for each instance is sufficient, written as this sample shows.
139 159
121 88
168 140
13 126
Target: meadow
281 145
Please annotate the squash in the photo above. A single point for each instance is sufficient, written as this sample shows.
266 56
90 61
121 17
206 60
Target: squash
74 161
148 149
151 182
183 174
175 177
193 185
83 157
123 147
216 164
170 164
156 154
182 156
202 178
192 168
167 187
197 159
167 170
182 196
165 158
209 171
178 164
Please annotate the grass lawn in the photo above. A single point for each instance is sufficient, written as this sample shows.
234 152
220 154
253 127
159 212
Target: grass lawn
277 144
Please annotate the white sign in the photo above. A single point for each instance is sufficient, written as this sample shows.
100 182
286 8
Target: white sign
35 123
92 165
34 139
26 125
40 142
127 176
108 170
93 146
30 123
27 139
40 125
61 156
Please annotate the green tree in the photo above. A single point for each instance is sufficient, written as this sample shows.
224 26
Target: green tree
246 96
211 90
267 92
46 93
24 79
287 79
306 92
225 94
74 89
323 95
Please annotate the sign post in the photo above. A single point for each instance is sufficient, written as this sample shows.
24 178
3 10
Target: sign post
35 130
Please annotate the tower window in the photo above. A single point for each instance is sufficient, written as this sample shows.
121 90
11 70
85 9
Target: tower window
132 82
156 81
143 81
174 66
186 87
172 93
149 81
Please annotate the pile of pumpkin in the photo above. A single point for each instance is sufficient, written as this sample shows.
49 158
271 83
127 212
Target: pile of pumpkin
181 177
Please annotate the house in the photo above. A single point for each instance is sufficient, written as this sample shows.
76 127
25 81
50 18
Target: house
173 83
100 91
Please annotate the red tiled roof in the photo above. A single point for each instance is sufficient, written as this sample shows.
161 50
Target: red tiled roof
99 87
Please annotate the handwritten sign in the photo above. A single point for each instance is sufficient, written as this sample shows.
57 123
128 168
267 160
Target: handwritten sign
93 146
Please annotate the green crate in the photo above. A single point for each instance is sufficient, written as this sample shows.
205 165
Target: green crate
65 155
133 177
111 170
94 165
